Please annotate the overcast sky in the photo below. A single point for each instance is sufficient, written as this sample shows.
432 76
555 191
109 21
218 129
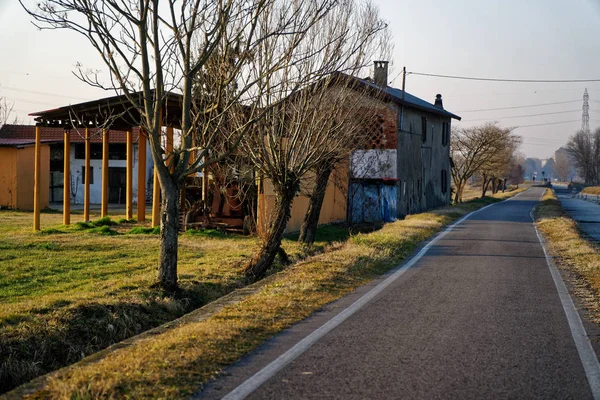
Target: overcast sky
511 39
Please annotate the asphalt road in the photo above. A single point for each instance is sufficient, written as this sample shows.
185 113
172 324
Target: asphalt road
477 317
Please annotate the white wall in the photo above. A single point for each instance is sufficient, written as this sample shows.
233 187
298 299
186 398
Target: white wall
374 164
77 184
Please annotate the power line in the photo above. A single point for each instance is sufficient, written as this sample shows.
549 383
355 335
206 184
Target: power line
504 80
45 103
515 107
523 116
41 93
548 123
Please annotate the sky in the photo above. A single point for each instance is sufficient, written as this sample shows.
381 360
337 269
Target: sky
505 39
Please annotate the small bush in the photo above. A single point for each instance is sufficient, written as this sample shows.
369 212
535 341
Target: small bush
209 233
104 230
48 246
105 221
83 225
50 231
140 230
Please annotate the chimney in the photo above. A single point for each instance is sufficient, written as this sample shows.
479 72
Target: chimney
438 101
380 73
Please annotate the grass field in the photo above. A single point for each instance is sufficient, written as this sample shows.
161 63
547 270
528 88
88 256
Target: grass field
174 364
67 292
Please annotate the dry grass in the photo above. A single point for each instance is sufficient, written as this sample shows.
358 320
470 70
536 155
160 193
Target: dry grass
571 250
178 362
68 292
471 193
591 190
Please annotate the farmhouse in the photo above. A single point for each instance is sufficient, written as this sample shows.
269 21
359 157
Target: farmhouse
406 167
403 169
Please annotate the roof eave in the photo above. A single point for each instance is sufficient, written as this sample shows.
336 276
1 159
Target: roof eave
387 96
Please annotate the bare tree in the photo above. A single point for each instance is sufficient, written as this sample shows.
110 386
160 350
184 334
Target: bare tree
222 56
497 164
352 134
517 169
479 150
6 112
294 138
562 167
584 148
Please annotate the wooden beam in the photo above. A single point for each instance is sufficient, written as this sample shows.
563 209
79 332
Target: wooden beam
156 190
105 139
129 172
36 180
155 200
67 179
169 158
86 187
141 193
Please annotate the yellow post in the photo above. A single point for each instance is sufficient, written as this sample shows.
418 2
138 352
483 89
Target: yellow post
67 180
141 194
169 158
36 181
155 200
156 189
129 172
86 188
105 137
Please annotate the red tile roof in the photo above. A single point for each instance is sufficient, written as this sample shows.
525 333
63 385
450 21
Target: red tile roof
27 133
21 142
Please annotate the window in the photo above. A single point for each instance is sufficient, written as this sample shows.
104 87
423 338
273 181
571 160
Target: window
445 133
116 151
423 129
91 175
444 181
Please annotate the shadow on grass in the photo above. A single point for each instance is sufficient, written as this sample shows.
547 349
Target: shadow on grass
63 333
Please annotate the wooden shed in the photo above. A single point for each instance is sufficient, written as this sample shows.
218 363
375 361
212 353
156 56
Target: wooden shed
16 173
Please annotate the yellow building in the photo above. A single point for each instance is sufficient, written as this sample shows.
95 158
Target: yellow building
16 173
333 209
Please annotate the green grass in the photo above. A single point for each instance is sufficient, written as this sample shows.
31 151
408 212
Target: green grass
67 292
175 364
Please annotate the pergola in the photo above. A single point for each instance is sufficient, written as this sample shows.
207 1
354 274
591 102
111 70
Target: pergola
116 113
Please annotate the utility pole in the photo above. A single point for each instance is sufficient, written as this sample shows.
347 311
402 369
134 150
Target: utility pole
404 81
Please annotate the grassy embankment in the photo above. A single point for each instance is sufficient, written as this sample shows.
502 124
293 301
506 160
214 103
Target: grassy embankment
571 250
66 293
176 363
591 190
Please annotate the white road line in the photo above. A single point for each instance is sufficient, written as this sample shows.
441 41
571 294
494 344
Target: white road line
587 355
255 381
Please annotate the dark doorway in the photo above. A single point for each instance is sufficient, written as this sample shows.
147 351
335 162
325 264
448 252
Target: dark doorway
117 182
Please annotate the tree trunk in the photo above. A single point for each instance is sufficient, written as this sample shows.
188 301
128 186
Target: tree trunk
494 185
281 215
308 230
169 236
459 192
484 185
